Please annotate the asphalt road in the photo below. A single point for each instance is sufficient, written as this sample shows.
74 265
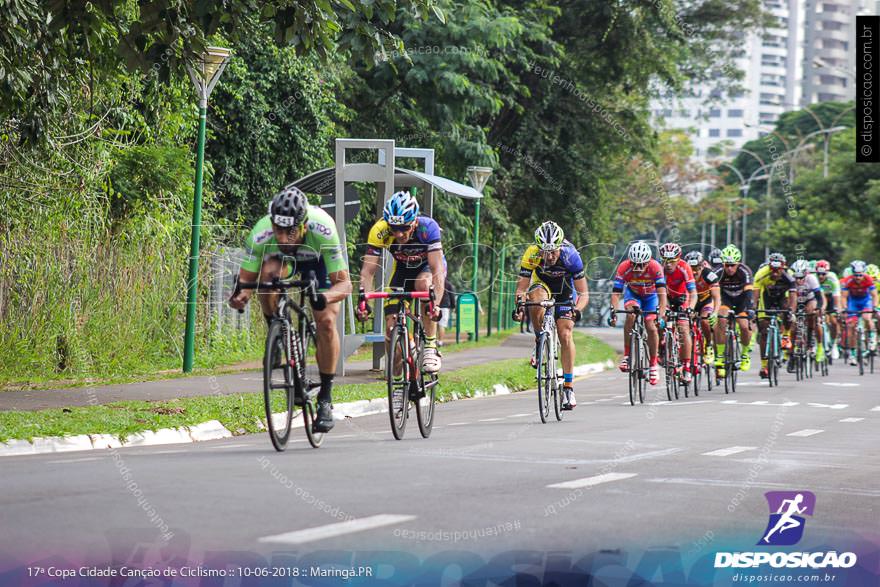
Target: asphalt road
687 474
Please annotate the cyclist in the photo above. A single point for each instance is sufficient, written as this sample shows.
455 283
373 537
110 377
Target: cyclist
708 300
859 294
640 279
413 241
736 286
811 301
714 259
552 268
831 290
295 237
774 289
681 291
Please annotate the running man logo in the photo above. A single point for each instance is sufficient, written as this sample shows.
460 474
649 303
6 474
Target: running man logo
786 525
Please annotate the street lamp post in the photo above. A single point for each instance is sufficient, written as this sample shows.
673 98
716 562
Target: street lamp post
210 66
478 177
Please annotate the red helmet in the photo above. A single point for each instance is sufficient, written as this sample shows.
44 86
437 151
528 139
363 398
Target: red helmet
823 266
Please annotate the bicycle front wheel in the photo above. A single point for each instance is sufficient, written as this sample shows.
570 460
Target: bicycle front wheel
398 377
545 376
633 369
278 386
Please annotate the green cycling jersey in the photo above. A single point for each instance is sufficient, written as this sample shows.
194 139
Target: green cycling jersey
831 285
321 244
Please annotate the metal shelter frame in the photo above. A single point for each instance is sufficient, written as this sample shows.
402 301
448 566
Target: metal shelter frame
387 178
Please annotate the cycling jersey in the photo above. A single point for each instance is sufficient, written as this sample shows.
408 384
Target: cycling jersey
808 288
705 280
831 285
412 254
680 280
857 287
560 275
640 284
736 285
320 250
774 287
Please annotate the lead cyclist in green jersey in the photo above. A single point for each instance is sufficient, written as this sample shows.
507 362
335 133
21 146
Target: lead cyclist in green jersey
295 237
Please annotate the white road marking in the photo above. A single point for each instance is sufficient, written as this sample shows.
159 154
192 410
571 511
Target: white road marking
490 420
591 481
725 452
219 446
686 402
457 424
649 455
163 452
877 409
851 420
832 406
607 399
839 384
805 432
520 415
339 529
65 461
758 403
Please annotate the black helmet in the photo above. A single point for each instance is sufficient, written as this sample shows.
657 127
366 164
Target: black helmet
289 207
715 256
776 260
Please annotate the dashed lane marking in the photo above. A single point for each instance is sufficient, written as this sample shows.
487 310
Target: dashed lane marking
592 481
805 432
725 452
339 529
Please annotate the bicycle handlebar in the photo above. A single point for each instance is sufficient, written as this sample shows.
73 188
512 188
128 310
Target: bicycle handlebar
310 285
396 294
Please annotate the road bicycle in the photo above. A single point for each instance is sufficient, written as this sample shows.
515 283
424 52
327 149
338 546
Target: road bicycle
639 358
864 356
821 367
773 346
732 353
802 354
547 360
699 367
406 381
290 379
670 355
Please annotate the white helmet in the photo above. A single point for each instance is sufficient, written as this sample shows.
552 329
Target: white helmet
640 252
800 268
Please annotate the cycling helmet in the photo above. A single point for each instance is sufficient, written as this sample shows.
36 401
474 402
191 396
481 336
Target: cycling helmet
549 236
872 270
823 266
731 254
776 260
800 268
694 258
639 253
289 207
715 256
812 265
401 208
670 251
858 267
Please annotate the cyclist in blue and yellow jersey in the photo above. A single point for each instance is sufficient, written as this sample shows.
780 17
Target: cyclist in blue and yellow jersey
552 268
774 289
295 237
414 243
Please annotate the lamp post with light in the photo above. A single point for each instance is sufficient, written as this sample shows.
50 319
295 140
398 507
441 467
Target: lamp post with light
208 68
478 177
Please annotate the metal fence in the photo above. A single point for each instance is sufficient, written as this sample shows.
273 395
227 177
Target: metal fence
224 263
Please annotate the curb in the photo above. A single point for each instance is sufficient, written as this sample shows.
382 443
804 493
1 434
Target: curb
213 429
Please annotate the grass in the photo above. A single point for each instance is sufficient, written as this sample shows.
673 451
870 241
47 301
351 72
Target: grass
241 413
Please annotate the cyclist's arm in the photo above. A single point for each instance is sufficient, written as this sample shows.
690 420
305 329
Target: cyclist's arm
438 272
368 270
340 286
715 290
662 306
583 293
522 284
240 300
874 297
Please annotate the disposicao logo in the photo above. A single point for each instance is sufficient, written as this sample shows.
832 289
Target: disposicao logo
785 528
786 525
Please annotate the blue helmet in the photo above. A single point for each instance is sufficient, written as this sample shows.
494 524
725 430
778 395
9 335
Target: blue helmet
401 208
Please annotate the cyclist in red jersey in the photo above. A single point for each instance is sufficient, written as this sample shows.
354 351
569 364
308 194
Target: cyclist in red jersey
640 280
708 300
859 295
681 292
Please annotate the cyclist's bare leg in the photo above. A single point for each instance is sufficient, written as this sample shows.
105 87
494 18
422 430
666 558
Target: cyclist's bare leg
537 294
390 323
564 328
627 330
653 338
328 338
269 270
424 283
684 329
763 324
745 331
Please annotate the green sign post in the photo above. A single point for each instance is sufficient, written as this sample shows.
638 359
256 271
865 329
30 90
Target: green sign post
466 315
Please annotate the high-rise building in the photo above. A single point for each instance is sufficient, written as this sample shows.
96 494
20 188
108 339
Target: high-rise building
828 49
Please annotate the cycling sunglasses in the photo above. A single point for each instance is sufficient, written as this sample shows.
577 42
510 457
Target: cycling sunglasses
400 227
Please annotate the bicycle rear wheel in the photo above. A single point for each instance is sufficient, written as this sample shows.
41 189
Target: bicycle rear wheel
731 356
426 401
669 365
278 386
398 387
545 384
643 369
